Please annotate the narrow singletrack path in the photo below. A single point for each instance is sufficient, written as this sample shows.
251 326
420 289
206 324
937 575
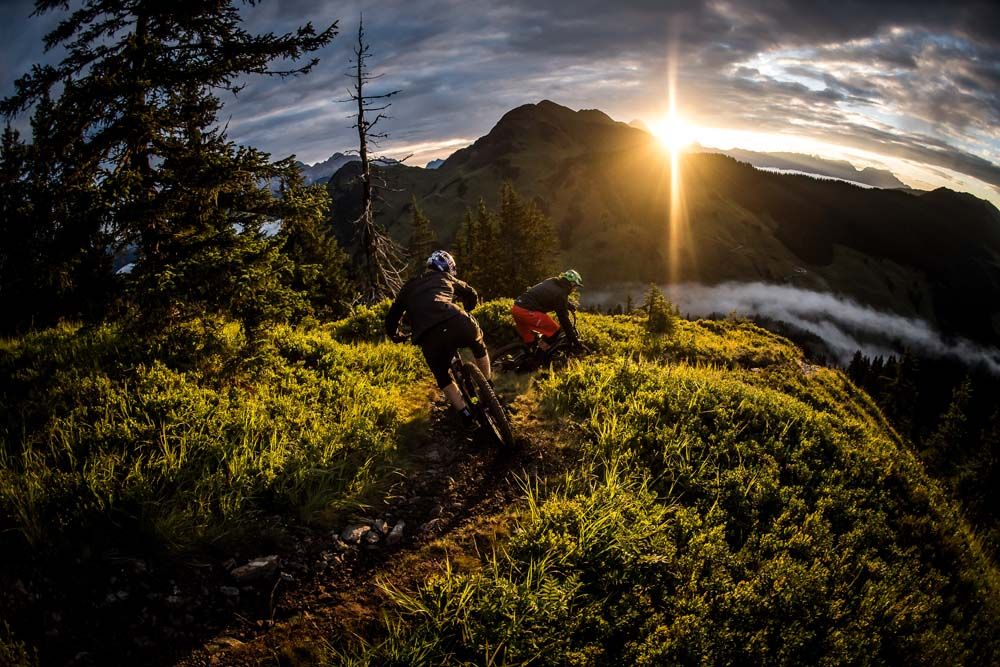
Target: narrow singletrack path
455 500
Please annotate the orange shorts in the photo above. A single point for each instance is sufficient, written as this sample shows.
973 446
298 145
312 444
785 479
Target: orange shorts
530 321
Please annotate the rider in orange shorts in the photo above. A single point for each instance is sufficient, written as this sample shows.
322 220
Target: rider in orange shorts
531 310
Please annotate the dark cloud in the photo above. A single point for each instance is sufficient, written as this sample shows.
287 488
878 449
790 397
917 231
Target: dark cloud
918 80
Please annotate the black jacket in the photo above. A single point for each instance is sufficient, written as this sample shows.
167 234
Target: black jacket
548 296
429 299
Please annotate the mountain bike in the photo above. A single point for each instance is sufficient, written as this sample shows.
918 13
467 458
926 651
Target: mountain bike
479 395
482 400
522 357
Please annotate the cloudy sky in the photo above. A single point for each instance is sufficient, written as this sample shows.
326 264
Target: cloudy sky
907 85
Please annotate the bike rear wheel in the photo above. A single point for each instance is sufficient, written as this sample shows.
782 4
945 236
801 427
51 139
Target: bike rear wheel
487 407
510 357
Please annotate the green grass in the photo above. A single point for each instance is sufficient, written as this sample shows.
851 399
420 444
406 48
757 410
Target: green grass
727 508
724 502
302 426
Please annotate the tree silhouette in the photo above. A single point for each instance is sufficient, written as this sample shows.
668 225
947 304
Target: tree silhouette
135 157
380 259
422 239
505 251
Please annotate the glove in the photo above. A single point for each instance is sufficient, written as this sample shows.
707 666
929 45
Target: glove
398 337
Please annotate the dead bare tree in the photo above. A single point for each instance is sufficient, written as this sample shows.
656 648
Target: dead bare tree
383 262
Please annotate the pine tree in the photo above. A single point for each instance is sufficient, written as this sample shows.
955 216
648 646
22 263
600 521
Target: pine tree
502 253
529 241
901 393
661 315
318 262
477 252
462 246
59 261
134 135
858 369
18 252
422 240
490 271
944 449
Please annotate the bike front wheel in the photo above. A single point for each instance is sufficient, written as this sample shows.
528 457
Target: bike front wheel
487 407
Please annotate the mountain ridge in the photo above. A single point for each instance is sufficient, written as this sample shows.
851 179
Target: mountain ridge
320 172
606 186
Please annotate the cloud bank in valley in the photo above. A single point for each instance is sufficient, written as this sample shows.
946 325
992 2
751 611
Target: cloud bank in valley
843 324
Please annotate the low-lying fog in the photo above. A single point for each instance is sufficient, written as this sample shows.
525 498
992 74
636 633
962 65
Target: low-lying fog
843 324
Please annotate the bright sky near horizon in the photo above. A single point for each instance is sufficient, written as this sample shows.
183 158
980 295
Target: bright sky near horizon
909 86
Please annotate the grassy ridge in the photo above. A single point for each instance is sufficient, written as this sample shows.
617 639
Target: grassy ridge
728 502
720 513
95 431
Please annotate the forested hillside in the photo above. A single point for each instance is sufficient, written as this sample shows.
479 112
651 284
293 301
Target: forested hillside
606 187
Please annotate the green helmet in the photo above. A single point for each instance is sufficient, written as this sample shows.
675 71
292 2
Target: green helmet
572 276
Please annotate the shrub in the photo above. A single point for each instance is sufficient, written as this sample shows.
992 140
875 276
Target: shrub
14 652
365 323
661 315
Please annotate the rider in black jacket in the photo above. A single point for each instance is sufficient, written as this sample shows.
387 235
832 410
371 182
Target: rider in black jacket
438 325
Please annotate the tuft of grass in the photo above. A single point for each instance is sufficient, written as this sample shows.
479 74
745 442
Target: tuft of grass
14 652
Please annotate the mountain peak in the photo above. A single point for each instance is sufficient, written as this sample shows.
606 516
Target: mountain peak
320 172
548 128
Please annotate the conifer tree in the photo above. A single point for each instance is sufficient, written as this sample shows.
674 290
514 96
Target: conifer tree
661 315
422 240
381 262
478 255
506 251
134 132
18 252
528 239
944 447
462 246
318 262
857 370
490 266
59 263
901 391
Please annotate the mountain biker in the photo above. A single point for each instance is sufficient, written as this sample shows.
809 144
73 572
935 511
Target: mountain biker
438 325
531 310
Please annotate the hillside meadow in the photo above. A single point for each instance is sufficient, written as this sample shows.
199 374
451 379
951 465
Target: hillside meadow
722 500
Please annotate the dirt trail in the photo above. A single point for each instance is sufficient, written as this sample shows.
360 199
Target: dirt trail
452 502
130 604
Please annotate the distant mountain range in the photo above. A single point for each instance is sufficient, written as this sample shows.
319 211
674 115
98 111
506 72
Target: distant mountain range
800 162
811 164
606 185
322 171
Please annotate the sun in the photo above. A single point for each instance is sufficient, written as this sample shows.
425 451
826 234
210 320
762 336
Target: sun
673 132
